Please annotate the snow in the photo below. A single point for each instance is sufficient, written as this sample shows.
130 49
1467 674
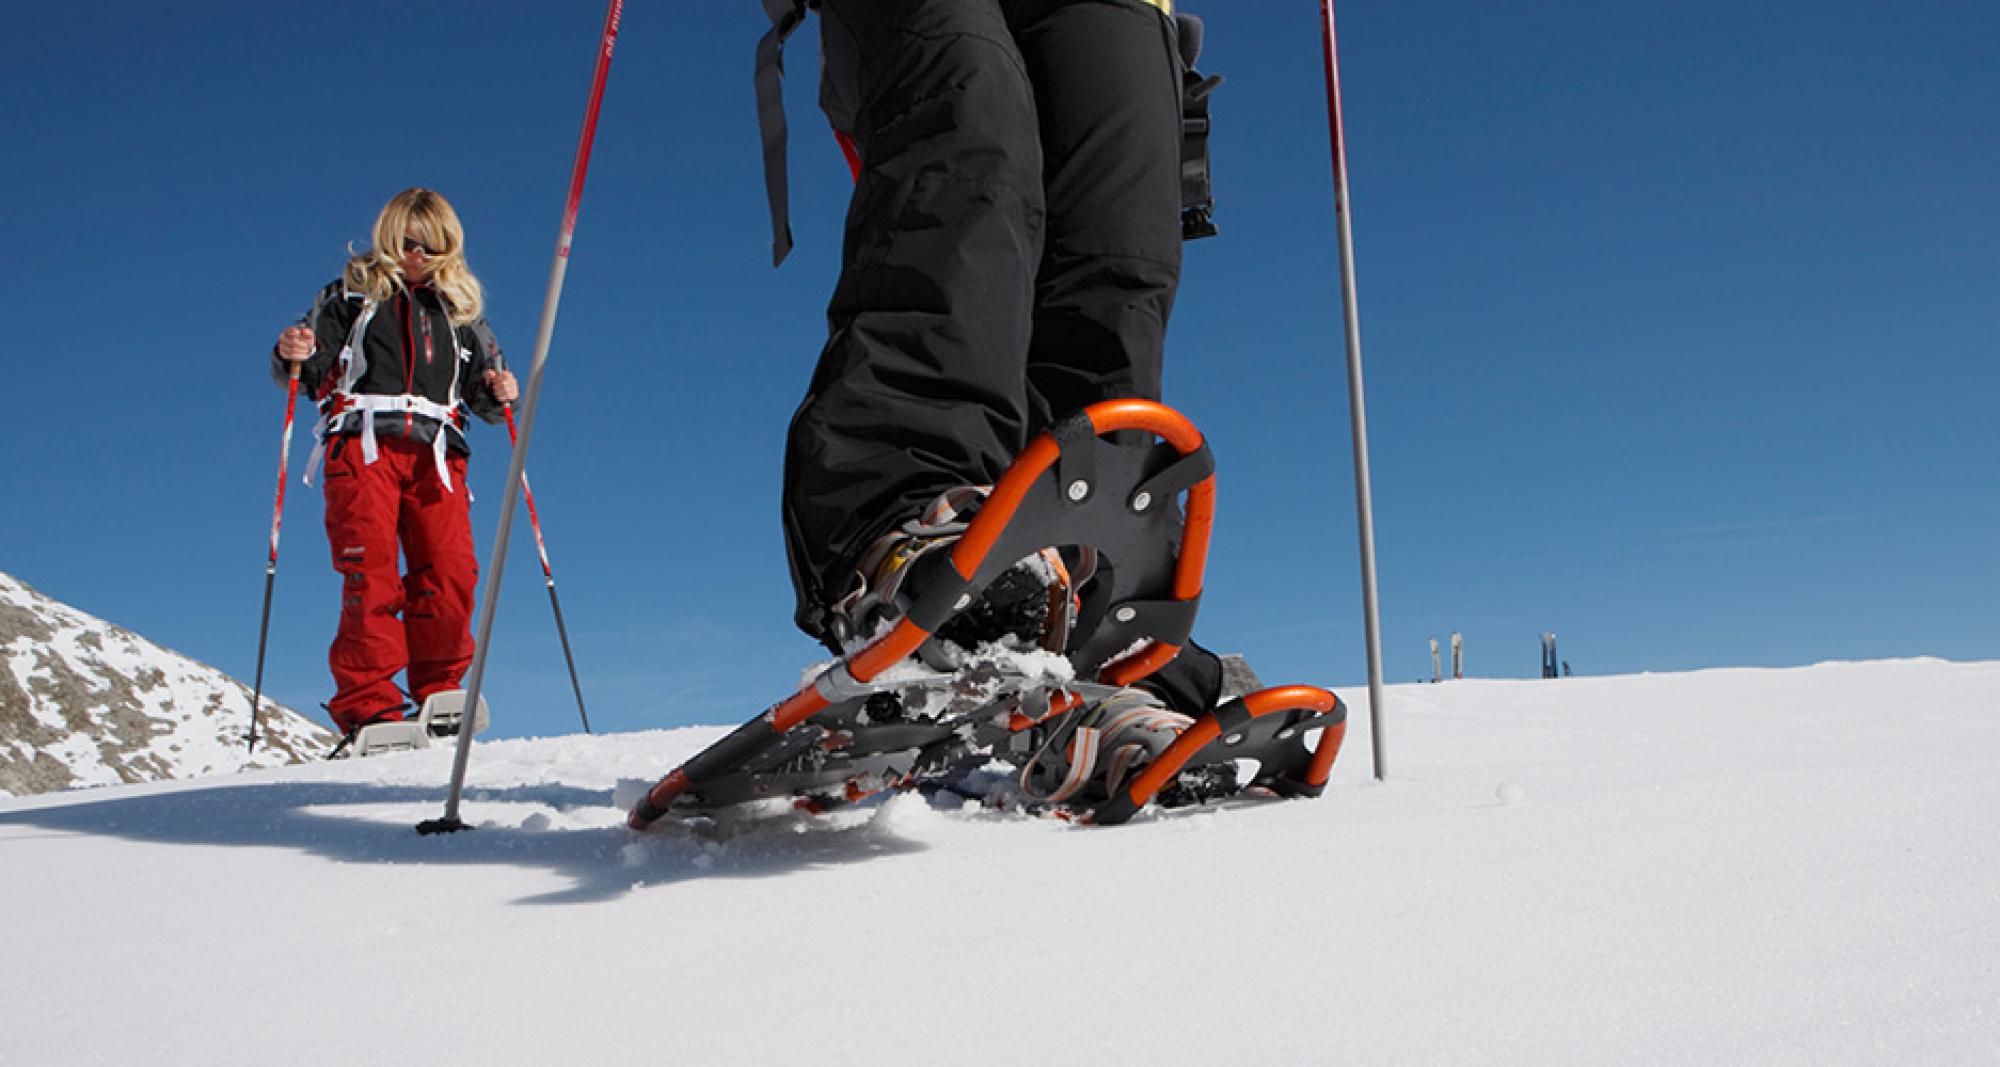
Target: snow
136 711
1745 866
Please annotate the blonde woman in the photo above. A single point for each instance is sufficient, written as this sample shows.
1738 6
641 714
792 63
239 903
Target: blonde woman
396 352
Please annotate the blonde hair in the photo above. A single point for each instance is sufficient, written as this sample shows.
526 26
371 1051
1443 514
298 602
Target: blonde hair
426 214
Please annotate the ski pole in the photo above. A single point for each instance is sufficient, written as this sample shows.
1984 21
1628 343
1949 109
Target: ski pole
542 550
271 567
450 821
1364 503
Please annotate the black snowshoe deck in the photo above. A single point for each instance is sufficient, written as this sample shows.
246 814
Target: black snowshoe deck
906 711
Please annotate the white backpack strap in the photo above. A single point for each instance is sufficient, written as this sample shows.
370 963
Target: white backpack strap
399 404
319 448
344 401
464 358
369 453
367 406
352 366
352 363
451 405
438 452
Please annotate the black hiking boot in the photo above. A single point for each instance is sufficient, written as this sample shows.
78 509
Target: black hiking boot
1029 604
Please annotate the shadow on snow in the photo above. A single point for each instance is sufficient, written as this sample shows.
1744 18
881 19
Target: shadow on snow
332 819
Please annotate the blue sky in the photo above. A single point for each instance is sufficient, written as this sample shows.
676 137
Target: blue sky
1680 324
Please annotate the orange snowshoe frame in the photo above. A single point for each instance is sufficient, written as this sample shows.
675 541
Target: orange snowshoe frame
1059 491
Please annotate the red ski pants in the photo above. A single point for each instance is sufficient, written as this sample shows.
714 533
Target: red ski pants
418 618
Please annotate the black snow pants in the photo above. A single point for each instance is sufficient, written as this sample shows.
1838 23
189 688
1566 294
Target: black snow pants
1011 255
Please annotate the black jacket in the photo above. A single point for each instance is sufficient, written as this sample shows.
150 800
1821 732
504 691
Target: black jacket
407 350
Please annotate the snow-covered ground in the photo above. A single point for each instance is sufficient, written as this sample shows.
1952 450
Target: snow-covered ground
1726 866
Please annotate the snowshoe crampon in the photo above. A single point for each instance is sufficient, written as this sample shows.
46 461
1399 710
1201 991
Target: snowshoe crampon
907 711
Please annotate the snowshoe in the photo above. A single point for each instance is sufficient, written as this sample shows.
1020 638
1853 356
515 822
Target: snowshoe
909 710
442 716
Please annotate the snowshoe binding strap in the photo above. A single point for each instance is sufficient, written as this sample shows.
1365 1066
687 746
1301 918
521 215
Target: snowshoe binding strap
888 562
1098 748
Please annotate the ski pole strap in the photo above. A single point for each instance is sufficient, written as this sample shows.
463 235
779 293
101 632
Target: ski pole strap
786 15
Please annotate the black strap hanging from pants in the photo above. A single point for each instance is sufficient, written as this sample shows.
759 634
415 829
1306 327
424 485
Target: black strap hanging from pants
785 17
838 65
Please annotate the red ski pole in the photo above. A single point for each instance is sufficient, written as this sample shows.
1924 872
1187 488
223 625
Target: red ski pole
449 821
271 567
542 550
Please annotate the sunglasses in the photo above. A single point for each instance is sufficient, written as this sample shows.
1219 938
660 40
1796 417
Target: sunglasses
411 244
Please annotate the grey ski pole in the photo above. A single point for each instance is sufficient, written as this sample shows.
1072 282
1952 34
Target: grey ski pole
449 821
1364 503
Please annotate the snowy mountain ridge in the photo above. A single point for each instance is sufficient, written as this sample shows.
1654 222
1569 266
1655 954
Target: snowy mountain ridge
86 703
